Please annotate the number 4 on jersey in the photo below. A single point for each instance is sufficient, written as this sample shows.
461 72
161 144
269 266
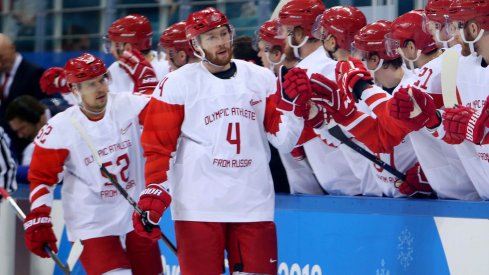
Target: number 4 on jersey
236 140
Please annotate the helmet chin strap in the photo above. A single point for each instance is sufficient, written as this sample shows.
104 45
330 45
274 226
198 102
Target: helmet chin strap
443 42
273 64
410 61
296 48
381 62
471 43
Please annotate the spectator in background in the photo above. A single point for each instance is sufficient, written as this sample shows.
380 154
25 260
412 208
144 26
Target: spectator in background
21 18
78 40
17 77
7 164
26 116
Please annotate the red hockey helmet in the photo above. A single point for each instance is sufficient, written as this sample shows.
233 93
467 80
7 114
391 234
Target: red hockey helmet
203 21
301 13
409 26
465 10
83 68
371 38
437 10
134 29
268 32
342 22
174 38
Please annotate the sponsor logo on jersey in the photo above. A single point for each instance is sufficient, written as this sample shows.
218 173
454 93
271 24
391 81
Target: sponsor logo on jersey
253 102
124 130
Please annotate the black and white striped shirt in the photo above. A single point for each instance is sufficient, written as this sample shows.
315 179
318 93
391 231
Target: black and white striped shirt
8 166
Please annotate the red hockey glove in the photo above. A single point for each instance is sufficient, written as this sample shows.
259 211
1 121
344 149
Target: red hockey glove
39 231
349 74
53 81
414 107
294 91
416 182
153 202
465 123
337 103
140 71
298 153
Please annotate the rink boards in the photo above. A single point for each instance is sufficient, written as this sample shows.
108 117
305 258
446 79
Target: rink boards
352 235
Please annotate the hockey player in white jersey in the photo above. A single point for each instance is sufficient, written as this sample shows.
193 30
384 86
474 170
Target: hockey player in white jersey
300 176
129 41
94 211
468 120
330 166
336 28
271 48
388 71
175 46
439 160
221 113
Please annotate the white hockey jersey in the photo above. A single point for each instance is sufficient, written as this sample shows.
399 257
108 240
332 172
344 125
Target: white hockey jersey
473 88
222 128
402 158
328 162
440 162
92 205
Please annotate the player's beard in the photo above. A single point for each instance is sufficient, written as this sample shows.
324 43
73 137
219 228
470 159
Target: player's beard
222 59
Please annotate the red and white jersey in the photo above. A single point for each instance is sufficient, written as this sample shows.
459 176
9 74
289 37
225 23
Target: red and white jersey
222 128
122 82
402 156
328 162
92 206
440 162
473 88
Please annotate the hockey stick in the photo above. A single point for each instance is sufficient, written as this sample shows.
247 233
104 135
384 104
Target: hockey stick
336 132
20 214
449 66
91 147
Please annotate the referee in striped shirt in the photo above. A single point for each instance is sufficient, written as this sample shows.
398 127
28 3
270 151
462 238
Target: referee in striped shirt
8 167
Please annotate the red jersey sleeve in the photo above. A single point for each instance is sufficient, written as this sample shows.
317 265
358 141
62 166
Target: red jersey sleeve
379 134
161 131
45 167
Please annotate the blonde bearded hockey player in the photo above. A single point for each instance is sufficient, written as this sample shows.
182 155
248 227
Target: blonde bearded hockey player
468 120
300 176
221 112
176 47
328 162
129 41
94 211
439 160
